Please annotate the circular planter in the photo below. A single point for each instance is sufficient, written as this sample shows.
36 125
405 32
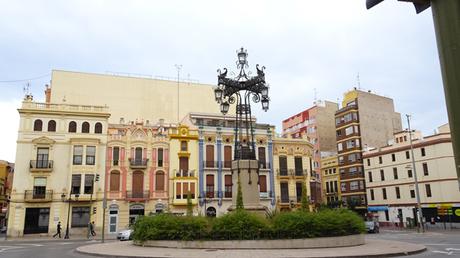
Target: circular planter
321 242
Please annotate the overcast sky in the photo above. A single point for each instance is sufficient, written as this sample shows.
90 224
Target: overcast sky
305 45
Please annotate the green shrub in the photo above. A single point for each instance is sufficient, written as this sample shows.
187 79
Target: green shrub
294 224
239 225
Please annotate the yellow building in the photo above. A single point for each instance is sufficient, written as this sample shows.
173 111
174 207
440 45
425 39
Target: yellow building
60 163
331 180
292 161
6 180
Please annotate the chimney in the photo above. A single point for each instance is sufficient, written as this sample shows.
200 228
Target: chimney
48 94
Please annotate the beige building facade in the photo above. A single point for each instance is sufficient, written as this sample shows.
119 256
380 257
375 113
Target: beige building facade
60 162
390 181
331 181
293 165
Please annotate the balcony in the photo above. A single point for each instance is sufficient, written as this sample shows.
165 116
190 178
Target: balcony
211 194
137 195
38 196
282 172
138 163
266 195
184 173
264 165
210 164
300 172
227 164
41 166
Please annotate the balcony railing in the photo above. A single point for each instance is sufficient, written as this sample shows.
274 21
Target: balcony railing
210 164
138 163
212 194
264 165
64 107
184 173
227 164
227 194
38 196
137 194
282 172
41 165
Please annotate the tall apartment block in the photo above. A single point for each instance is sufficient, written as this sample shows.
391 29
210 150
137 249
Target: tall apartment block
317 123
365 120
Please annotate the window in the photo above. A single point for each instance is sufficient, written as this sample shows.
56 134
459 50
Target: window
395 173
368 162
38 124
138 155
183 165
425 169
42 158
263 183
339 133
409 173
370 176
51 126
183 146
116 156
85 127
298 166
228 186
283 165
160 157
361 184
412 193
384 193
90 155
393 157
349 130
380 160
298 191
387 216
114 181
77 154
327 188
98 128
72 127
423 152
354 185
339 147
398 193
407 155
335 187
428 190
39 188
76 182
343 187
210 186
372 194
80 217
382 175
89 184
160 181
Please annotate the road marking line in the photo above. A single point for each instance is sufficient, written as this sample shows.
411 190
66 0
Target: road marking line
67 243
31 244
443 252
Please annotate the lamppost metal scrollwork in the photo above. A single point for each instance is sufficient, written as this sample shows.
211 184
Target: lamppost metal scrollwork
241 90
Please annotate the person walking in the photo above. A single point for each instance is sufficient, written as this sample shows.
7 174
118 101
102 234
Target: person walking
58 230
91 229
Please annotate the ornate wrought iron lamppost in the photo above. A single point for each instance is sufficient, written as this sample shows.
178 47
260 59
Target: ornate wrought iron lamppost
240 90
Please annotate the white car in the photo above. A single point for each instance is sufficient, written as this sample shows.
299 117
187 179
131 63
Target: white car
125 234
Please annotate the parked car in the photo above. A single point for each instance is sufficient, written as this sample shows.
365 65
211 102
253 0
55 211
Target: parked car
3 229
125 234
372 226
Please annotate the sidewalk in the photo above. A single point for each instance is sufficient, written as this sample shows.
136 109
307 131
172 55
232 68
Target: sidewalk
372 248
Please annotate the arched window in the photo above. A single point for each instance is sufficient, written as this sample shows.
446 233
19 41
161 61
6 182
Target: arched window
72 127
98 128
85 127
52 126
38 125
114 181
160 181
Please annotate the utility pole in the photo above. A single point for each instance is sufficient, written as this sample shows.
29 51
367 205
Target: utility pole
104 208
178 67
417 192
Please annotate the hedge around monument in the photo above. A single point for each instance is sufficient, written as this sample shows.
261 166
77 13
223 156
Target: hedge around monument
242 225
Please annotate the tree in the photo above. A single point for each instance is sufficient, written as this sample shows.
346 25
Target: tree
305 205
189 204
239 197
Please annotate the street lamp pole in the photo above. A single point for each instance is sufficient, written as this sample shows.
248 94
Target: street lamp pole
417 192
68 212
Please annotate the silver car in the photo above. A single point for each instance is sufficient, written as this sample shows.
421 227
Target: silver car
125 234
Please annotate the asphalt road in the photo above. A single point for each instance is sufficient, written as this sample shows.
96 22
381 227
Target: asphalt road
439 244
42 248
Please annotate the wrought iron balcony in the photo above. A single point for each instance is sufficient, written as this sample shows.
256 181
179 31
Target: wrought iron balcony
138 195
184 173
282 172
264 165
227 164
138 163
38 196
210 164
41 166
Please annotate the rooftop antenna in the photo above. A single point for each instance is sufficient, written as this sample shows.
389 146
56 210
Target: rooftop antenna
26 89
358 82
315 95
178 67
